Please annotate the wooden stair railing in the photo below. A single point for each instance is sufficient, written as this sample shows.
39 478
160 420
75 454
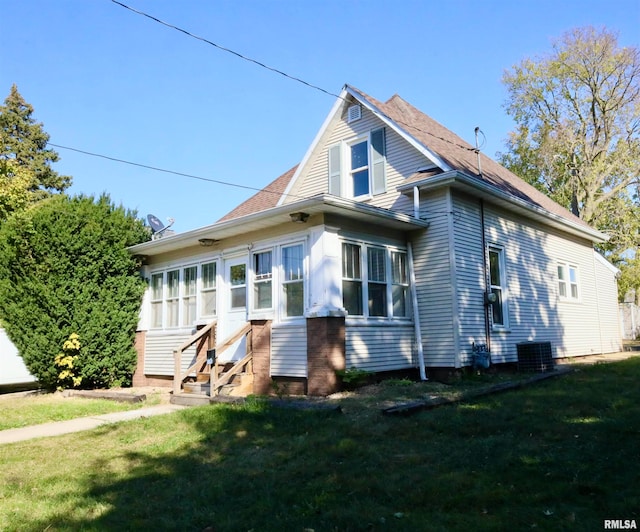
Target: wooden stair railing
216 382
178 375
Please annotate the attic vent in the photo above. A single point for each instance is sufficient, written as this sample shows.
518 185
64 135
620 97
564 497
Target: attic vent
354 113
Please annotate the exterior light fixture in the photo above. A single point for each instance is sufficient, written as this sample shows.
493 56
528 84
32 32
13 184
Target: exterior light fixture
490 298
299 217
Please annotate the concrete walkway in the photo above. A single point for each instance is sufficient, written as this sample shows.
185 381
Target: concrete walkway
84 423
87 423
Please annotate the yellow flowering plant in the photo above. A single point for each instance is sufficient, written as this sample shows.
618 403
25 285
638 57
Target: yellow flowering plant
65 363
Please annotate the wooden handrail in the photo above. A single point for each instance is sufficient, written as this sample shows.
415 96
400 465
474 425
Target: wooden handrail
178 375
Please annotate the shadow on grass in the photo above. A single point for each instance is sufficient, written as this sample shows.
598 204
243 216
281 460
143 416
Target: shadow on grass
562 454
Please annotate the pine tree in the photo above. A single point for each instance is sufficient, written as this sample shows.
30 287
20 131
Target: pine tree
23 141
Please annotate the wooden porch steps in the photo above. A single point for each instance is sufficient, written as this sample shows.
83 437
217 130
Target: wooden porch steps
199 393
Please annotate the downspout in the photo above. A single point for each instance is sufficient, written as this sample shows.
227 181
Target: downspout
487 325
597 278
416 313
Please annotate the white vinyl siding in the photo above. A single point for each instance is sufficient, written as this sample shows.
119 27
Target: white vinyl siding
402 160
433 267
471 267
158 353
379 348
536 313
289 351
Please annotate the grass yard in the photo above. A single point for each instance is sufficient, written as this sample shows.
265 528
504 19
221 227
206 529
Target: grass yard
41 408
562 454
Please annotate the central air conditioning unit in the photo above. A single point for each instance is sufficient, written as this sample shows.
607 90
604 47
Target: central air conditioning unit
535 357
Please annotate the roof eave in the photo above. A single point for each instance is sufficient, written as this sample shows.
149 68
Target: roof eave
458 179
324 203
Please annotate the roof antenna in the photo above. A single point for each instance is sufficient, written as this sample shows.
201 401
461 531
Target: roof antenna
477 150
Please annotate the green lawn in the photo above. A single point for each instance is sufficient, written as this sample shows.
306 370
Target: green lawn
560 455
42 408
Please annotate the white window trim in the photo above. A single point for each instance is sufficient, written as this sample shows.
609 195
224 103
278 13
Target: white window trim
340 174
568 266
364 279
277 310
200 318
502 260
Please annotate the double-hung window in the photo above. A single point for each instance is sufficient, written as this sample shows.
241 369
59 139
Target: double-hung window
377 276
157 299
281 267
208 289
293 280
172 298
351 279
262 280
497 286
400 287
568 281
189 294
374 281
357 169
180 296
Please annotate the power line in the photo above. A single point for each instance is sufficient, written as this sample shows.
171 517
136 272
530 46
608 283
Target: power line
272 69
173 172
224 49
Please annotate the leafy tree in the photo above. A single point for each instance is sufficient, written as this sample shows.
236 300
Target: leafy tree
23 141
65 269
16 185
577 136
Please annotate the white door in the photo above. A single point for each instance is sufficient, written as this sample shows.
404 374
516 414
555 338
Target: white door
235 308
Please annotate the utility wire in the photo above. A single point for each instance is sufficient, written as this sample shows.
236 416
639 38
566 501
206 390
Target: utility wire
224 49
155 168
272 69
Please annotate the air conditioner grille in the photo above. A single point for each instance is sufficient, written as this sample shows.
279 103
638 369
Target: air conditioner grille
535 357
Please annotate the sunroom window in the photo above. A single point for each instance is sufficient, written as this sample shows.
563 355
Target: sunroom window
208 291
173 294
189 292
293 280
157 299
263 274
351 279
379 289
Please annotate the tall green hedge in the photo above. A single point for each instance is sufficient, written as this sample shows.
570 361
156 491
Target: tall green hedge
64 268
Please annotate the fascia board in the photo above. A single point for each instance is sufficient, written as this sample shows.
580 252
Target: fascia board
340 101
273 217
435 159
456 177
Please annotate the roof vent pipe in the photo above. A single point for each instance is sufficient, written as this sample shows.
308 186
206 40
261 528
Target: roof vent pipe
477 150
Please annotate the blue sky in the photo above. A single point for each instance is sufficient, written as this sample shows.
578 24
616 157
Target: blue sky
105 80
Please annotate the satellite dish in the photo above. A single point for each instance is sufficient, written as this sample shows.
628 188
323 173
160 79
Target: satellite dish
155 223
157 227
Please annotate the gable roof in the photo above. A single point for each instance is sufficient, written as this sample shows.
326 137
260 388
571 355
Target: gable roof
459 155
451 156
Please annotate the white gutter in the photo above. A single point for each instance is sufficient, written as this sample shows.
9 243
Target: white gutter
416 313
455 176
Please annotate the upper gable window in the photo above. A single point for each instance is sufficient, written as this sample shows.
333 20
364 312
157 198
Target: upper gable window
357 169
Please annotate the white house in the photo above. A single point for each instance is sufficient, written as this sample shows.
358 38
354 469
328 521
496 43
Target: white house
393 245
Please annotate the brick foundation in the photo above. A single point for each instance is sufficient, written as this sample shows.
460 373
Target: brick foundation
325 354
261 339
